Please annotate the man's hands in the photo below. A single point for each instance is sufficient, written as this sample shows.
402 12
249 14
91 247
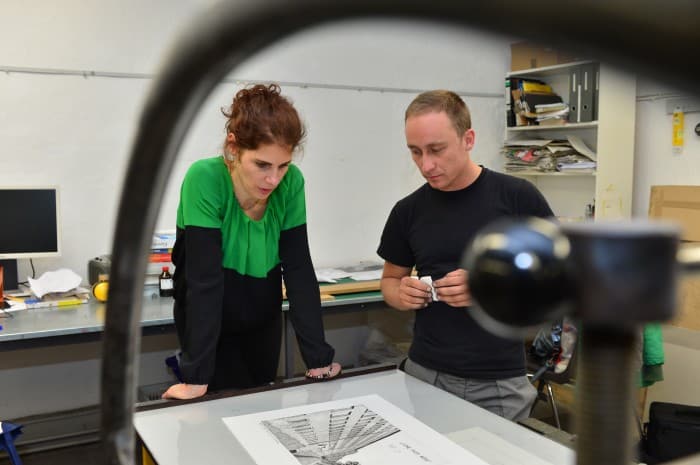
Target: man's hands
453 288
414 294
404 292
185 391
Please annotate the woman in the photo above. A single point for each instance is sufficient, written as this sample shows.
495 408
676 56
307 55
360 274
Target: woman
241 226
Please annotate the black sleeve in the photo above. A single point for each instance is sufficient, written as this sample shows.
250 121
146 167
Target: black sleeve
304 297
531 202
202 287
393 245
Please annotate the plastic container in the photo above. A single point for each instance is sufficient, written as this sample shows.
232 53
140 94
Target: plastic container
100 289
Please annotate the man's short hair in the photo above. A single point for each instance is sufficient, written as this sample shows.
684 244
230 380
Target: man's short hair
442 100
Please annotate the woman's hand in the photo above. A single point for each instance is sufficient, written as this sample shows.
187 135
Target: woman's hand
327 372
185 391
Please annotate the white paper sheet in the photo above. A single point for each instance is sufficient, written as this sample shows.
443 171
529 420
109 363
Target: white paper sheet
364 430
330 275
580 146
494 449
368 275
14 306
61 280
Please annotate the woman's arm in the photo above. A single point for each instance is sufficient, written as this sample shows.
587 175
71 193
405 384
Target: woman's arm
304 297
198 317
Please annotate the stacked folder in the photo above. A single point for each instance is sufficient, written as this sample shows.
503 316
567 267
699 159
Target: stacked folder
552 114
533 101
583 93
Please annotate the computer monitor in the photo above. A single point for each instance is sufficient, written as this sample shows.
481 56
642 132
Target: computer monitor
30 227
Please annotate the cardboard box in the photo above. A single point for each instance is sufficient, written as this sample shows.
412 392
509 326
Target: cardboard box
526 55
688 312
679 204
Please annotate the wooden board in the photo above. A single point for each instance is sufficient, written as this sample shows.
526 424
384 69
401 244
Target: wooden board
329 290
688 311
350 288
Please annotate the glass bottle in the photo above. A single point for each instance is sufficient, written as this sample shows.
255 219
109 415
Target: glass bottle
165 283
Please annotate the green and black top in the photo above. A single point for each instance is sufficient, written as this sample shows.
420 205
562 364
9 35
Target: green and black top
228 267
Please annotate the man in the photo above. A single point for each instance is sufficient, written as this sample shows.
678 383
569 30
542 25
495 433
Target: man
430 230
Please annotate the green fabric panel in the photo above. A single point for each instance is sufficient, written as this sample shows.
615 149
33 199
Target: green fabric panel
205 194
652 354
250 247
653 347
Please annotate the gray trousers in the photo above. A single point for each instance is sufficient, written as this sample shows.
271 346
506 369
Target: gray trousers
510 398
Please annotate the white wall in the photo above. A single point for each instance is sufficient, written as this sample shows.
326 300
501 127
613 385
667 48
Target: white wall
655 162
76 131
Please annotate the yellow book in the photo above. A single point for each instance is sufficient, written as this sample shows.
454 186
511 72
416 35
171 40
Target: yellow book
537 87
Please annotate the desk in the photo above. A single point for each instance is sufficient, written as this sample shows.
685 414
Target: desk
43 327
48 326
194 433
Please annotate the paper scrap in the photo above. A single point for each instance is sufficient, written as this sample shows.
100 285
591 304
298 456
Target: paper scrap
330 275
61 280
368 275
580 146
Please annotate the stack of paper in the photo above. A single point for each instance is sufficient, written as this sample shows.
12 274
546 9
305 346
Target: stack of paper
522 155
583 158
575 163
60 288
59 281
552 114
360 272
545 155
533 102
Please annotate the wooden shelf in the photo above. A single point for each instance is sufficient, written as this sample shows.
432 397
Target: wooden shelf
564 127
590 174
610 187
547 70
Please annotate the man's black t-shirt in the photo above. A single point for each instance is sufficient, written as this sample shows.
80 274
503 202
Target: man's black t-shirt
431 229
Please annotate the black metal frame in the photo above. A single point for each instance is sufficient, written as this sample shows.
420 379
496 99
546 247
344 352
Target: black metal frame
655 37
